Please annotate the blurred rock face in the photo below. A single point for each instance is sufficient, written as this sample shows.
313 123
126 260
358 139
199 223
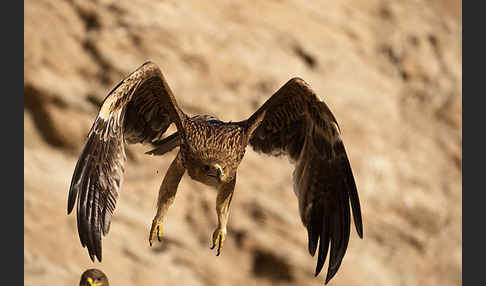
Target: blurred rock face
389 70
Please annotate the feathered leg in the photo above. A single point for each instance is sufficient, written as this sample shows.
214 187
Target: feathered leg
223 201
167 194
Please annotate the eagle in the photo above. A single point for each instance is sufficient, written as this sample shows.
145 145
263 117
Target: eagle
293 122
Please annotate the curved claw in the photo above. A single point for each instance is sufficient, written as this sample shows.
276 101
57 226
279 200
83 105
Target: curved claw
219 237
156 230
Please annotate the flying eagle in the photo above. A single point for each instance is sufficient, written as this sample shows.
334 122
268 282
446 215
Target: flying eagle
293 122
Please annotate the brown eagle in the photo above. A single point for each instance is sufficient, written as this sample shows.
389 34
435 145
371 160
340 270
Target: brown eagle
293 122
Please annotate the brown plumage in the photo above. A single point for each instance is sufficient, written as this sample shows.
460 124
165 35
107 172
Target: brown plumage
293 122
93 277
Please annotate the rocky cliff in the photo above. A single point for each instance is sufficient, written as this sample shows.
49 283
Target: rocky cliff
390 71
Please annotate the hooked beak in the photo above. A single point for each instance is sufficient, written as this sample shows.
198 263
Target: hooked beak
219 173
216 172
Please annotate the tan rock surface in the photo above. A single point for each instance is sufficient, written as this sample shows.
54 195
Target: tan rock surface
390 71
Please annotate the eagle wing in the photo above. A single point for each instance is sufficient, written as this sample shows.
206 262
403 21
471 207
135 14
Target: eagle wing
296 123
138 110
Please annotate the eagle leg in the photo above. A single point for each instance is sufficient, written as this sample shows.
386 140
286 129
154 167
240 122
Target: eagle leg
223 202
167 193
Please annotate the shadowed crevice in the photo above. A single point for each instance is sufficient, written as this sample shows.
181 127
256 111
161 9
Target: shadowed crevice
35 102
307 58
268 265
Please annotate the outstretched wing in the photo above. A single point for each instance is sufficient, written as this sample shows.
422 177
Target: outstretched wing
296 123
138 110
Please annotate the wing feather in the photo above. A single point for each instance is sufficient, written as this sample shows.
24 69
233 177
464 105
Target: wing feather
296 123
138 110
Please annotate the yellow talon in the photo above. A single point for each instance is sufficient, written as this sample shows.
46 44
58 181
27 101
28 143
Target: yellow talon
156 230
218 238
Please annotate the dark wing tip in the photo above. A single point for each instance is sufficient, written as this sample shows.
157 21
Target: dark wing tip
329 276
332 211
71 202
333 267
323 244
352 190
72 194
91 256
94 253
359 230
358 222
98 255
93 244
312 241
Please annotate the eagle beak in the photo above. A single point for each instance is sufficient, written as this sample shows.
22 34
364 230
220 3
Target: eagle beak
219 173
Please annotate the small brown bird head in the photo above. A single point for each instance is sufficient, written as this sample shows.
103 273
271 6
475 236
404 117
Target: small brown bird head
93 277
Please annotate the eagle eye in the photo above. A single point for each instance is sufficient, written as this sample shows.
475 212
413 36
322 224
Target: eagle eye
206 168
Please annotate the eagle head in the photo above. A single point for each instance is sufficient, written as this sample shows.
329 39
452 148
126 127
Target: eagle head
210 172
